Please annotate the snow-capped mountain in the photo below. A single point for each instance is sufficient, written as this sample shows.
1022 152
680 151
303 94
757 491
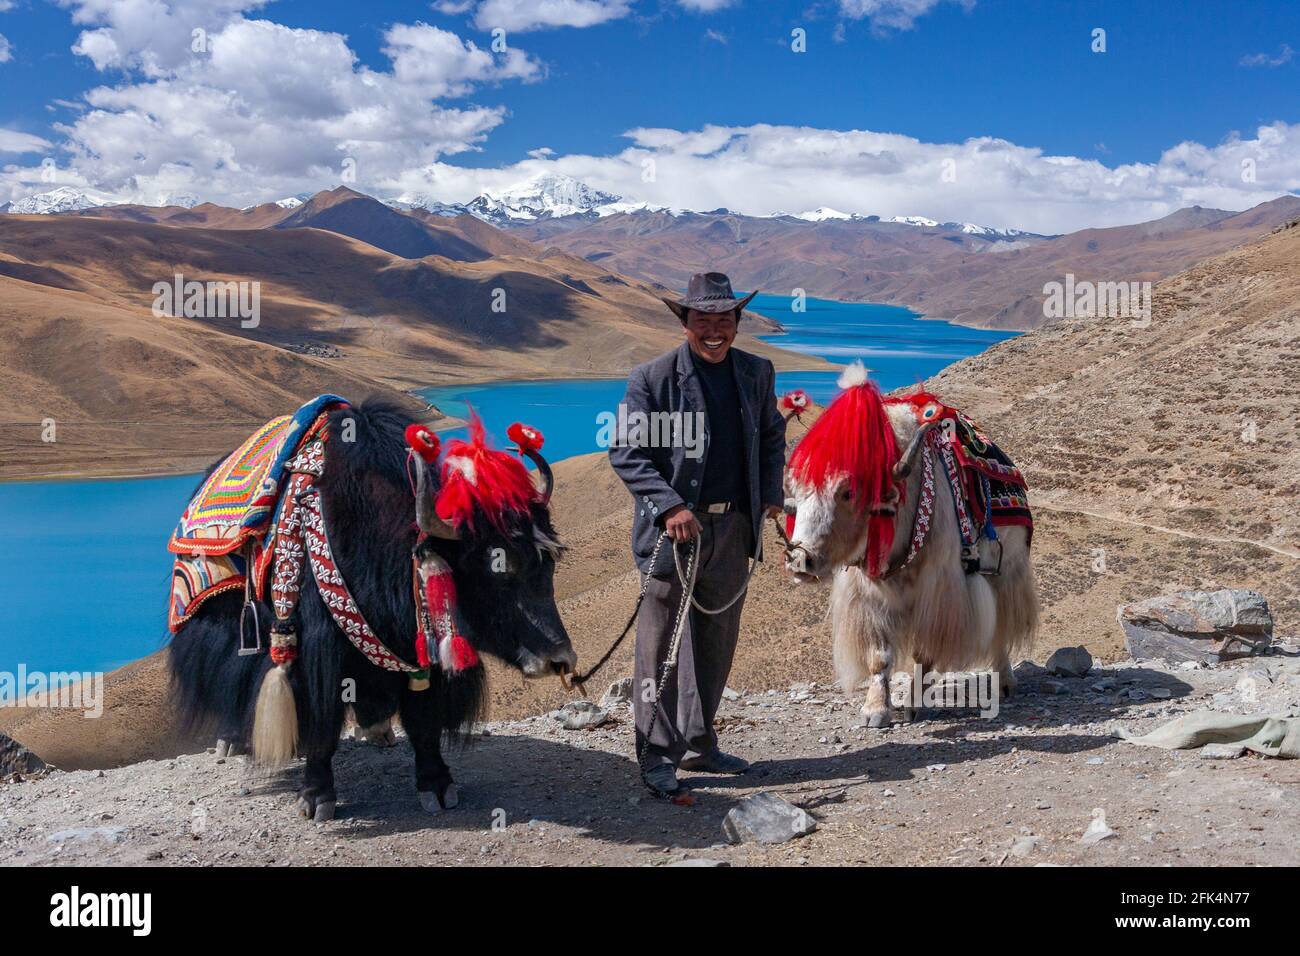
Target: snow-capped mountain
550 196
426 202
184 200
62 199
968 228
913 221
824 213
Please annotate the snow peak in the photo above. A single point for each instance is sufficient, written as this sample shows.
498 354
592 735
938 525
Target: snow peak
103 909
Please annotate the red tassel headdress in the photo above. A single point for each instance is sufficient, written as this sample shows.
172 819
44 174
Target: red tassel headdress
853 439
475 476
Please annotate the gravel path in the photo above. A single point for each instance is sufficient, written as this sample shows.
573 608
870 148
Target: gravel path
1019 789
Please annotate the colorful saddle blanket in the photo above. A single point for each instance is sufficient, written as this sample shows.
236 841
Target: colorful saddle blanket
225 524
992 489
995 488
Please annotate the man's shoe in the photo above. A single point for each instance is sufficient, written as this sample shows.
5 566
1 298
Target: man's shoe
715 762
663 779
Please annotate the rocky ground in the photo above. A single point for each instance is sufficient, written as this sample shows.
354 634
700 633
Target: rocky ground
1019 789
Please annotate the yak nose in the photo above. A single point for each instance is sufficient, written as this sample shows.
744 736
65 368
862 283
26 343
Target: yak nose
796 560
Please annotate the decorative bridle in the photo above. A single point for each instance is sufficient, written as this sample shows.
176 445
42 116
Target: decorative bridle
922 445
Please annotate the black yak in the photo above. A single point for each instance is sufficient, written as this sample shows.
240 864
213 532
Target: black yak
482 515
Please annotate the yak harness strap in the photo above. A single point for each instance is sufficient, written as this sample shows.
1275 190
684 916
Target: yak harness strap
301 536
436 636
924 515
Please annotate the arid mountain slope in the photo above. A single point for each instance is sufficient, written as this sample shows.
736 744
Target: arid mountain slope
335 314
937 271
410 235
132 394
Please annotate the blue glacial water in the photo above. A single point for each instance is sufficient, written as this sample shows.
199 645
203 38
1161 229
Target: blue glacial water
897 345
84 570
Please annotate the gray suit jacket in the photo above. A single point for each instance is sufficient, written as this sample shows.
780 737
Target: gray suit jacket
660 478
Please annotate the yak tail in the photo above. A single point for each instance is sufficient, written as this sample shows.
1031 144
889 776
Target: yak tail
275 720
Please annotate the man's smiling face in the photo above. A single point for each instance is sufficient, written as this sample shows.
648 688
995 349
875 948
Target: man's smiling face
710 334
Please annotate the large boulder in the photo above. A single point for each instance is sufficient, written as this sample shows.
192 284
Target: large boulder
1070 662
15 758
1206 626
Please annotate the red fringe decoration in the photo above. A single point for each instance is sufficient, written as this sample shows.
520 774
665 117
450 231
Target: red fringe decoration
440 592
283 655
794 402
423 442
463 656
853 438
926 406
475 475
526 437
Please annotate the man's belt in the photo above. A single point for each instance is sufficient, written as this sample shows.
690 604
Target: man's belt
717 508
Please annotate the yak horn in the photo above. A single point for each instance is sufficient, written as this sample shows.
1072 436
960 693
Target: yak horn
907 461
425 514
548 478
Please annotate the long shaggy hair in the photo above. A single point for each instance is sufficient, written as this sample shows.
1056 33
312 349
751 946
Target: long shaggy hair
369 511
853 439
481 481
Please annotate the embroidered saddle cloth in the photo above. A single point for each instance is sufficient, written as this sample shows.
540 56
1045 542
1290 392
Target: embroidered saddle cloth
995 488
225 523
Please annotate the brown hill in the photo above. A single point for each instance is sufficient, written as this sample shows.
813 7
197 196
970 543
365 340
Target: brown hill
336 314
132 394
938 271
345 211
350 213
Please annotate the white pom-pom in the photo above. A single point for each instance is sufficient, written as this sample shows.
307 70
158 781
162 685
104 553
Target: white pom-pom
855 374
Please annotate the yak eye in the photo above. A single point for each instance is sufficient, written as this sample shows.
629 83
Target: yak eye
846 494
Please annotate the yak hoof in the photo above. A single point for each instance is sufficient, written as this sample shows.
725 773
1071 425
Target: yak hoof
223 749
877 719
433 803
380 734
317 811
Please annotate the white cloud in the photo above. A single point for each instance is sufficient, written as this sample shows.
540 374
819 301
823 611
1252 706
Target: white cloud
271 109
1284 55
893 14
447 66
521 15
764 169
153 36
6 49
12 141
707 6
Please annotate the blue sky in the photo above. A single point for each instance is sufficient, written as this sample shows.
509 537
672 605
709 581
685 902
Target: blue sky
1042 131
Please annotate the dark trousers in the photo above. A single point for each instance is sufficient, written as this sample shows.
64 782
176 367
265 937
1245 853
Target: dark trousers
691 697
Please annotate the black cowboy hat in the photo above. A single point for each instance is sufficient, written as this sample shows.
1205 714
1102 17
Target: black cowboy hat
708 292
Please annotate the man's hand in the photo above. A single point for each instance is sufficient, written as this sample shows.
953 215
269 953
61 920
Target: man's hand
680 524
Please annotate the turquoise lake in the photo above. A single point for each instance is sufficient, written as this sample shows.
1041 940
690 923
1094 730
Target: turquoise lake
85 565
